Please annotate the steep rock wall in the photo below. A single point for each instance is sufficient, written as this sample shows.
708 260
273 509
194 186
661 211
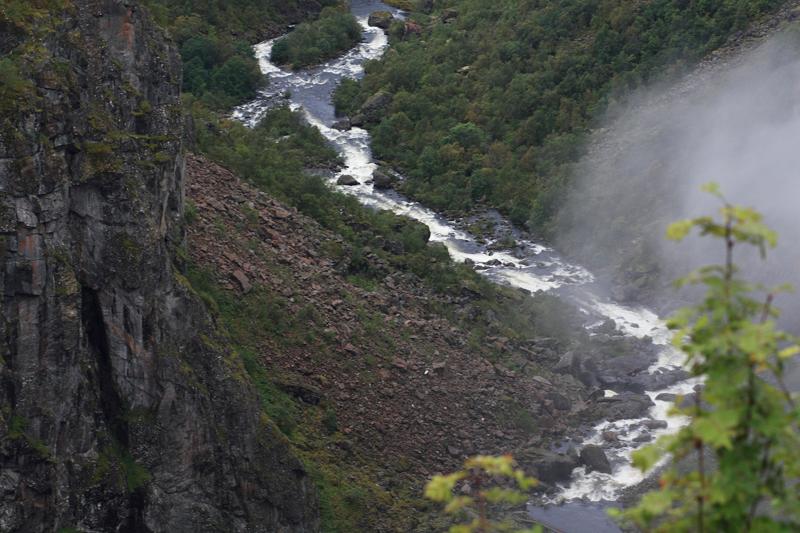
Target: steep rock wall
119 410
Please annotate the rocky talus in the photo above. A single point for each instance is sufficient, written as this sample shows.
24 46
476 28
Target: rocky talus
412 391
118 410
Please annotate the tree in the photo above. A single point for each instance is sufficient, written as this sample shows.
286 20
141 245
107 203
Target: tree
492 481
745 417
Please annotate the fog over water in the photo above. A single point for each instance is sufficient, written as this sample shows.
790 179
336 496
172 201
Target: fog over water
737 124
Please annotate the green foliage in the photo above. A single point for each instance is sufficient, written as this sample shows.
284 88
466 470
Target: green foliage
221 74
132 475
745 416
24 23
15 89
315 42
218 64
136 476
249 321
493 481
347 97
189 212
491 107
274 155
249 20
18 429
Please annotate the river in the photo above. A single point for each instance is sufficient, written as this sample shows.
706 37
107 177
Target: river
532 266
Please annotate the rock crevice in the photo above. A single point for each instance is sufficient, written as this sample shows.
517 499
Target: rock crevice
119 410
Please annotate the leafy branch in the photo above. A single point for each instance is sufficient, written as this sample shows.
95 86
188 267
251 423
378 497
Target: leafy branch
746 418
487 482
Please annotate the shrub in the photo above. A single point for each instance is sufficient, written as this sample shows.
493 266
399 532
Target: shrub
745 417
315 42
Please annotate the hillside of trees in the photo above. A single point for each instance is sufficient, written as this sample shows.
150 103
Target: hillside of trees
311 43
215 39
491 102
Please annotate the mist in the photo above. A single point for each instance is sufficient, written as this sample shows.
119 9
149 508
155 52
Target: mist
735 122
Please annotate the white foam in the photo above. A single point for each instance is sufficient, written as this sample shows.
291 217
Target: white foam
546 273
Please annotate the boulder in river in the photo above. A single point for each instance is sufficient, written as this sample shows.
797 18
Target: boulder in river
622 406
341 125
548 467
347 179
380 19
655 424
595 460
382 180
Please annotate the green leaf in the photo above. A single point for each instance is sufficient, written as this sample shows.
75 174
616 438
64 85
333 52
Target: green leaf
711 187
440 488
786 353
679 230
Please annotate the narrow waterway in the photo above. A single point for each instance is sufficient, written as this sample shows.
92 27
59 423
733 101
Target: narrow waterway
530 265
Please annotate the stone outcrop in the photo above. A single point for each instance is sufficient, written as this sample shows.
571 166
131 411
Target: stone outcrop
119 411
595 460
381 19
382 180
373 110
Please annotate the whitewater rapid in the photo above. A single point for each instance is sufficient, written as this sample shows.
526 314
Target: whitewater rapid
530 266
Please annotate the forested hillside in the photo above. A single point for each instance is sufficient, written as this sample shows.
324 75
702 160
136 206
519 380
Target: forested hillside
490 103
333 33
215 39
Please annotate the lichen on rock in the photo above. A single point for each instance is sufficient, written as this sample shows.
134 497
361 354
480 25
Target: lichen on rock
102 365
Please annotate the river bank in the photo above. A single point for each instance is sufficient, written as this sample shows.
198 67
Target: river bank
628 364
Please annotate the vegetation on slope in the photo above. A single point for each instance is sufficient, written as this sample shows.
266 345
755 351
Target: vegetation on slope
312 43
278 318
279 168
215 39
23 61
489 107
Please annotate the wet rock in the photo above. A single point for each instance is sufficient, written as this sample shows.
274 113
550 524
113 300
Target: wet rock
595 460
610 436
358 120
656 381
644 437
548 467
687 400
382 180
342 125
608 327
622 406
581 367
347 180
667 397
655 424
380 19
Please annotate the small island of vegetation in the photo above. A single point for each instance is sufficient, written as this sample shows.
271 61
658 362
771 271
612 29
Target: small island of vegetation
312 43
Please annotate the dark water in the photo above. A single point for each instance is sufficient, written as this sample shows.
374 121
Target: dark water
575 517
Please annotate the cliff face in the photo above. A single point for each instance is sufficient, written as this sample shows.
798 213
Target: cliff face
119 410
